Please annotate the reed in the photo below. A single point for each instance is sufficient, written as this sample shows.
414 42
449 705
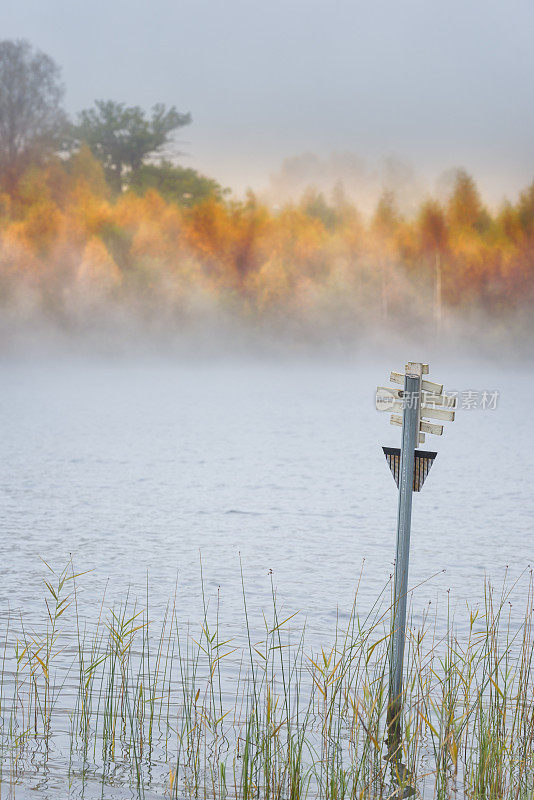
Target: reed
94 707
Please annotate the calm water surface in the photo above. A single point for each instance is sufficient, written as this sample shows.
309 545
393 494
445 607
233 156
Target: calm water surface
154 470
144 467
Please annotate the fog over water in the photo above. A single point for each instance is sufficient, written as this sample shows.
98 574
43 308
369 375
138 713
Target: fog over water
142 464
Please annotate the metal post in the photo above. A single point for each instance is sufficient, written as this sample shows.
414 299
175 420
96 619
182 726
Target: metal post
410 437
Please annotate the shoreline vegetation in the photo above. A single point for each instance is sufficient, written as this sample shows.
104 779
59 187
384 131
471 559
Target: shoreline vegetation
104 702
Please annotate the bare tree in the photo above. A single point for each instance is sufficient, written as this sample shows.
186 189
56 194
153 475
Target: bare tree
31 117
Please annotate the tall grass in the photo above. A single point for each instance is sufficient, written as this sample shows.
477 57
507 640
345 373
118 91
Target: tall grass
96 706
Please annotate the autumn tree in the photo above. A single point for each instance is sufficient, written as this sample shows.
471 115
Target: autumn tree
432 228
465 210
31 118
122 138
386 218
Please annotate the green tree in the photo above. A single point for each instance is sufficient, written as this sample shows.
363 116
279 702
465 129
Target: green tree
181 185
315 205
123 137
31 118
525 209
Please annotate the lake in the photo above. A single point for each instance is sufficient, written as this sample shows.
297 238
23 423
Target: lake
134 466
168 471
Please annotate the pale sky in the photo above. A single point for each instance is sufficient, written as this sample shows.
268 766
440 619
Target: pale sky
437 84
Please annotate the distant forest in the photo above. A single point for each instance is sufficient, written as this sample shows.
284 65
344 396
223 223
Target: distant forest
98 219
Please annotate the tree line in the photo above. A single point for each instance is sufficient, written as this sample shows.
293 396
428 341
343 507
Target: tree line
95 220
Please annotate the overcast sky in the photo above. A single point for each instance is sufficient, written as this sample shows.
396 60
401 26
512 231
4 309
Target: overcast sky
438 84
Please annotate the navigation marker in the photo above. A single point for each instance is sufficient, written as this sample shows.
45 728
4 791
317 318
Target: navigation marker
418 401
423 460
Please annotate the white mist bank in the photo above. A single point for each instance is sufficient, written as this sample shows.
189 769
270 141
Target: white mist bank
214 332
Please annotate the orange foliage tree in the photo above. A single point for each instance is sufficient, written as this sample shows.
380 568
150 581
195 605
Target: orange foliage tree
74 245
